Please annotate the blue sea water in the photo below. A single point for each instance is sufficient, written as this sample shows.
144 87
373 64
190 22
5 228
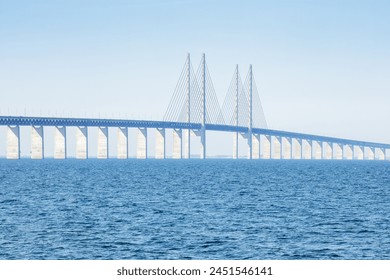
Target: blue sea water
194 209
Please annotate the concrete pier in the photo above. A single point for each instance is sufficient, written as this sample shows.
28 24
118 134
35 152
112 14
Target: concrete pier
358 152
82 142
122 143
160 143
142 143
297 148
265 147
255 146
348 152
327 150
203 153
235 145
368 153
60 142
306 149
287 148
276 147
37 144
379 154
13 142
186 137
177 144
337 151
316 150
102 149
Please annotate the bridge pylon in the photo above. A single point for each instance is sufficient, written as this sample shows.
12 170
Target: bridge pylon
203 110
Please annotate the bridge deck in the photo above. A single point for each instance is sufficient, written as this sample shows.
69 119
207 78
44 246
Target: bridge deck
51 121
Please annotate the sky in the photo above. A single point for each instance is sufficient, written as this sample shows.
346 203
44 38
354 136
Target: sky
322 67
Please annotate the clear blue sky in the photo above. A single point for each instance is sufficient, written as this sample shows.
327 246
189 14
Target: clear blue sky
322 67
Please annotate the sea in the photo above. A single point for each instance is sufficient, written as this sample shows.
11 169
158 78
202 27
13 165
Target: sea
194 209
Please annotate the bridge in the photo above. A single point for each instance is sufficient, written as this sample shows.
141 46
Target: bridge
193 110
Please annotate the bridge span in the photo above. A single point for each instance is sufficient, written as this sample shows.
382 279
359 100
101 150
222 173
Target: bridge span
266 143
193 110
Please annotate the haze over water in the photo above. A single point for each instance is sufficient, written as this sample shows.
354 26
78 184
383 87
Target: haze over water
194 209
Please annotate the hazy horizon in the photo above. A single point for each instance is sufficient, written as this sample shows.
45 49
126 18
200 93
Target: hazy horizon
322 67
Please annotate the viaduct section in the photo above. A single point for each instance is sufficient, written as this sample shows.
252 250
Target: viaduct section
193 110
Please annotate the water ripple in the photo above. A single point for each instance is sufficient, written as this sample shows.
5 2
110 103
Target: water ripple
214 209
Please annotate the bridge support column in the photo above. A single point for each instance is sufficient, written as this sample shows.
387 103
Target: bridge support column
102 152
203 143
327 150
281 147
37 144
358 152
297 148
142 143
13 142
255 146
60 142
316 150
235 145
337 151
250 144
287 148
160 143
265 148
123 143
387 154
347 152
306 149
186 143
177 144
82 142
276 147
371 153
379 153
368 153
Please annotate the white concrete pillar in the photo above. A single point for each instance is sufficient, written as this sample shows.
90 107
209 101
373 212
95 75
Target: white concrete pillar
276 147
13 142
369 153
142 143
177 144
37 143
186 143
160 143
60 142
249 138
379 153
297 147
358 152
203 153
265 147
317 150
337 151
82 142
327 150
347 152
287 148
281 147
255 146
306 149
235 145
102 152
123 143
323 148
387 154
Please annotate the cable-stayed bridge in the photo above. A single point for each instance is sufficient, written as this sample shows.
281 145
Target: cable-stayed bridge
193 110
